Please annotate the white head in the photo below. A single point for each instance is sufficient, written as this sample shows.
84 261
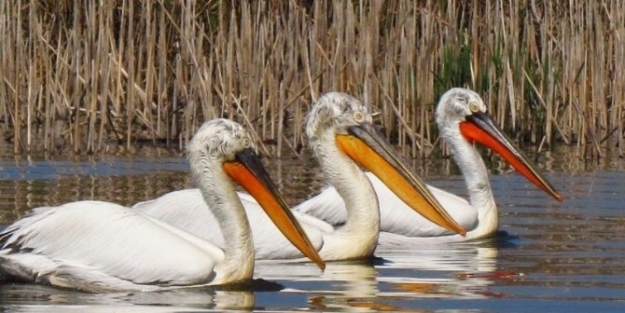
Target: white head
219 140
334 112
454 107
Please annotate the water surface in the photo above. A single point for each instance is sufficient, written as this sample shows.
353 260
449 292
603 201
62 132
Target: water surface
566 256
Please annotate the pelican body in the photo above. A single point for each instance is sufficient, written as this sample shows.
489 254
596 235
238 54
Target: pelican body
99 246
462 119
342 138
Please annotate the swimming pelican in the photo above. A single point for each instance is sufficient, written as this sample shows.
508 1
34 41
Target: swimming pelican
462 119
100 246
341 135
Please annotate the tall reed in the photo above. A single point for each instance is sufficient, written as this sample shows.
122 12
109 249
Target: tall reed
86 76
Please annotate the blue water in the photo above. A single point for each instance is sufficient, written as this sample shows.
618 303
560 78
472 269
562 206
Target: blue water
554 257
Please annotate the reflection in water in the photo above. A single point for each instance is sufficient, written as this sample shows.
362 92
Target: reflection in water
32 298
558 257
341 285
452 271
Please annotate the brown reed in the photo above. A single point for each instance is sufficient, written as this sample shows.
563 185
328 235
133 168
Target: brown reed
85 76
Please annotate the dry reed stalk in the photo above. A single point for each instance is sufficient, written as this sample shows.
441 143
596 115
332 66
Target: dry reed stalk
617 27
93 56
162 120
104 70
75 68
17 108
126 71
4 52
130 63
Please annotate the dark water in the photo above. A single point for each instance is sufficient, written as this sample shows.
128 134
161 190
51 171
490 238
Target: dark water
556 257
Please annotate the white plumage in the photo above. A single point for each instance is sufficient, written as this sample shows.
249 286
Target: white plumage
100 246
462 119
336 120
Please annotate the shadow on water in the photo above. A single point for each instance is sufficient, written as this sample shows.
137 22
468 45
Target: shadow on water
548 256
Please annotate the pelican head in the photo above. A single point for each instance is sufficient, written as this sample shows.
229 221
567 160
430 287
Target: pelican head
226 144
346 122
462 113
335 112
221 139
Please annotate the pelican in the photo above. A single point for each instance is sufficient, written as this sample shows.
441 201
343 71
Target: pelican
342 137
100 246
462 119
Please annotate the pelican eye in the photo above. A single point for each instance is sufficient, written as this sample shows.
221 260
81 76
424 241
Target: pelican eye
246 142
359 117
474 107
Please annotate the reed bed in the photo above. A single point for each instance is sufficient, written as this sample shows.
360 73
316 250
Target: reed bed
90 76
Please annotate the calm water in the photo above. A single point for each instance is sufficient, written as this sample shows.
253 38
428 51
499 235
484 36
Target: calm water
566 256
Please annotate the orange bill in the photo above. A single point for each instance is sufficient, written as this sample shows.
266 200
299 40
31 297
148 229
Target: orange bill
249 172
479 127
367 148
